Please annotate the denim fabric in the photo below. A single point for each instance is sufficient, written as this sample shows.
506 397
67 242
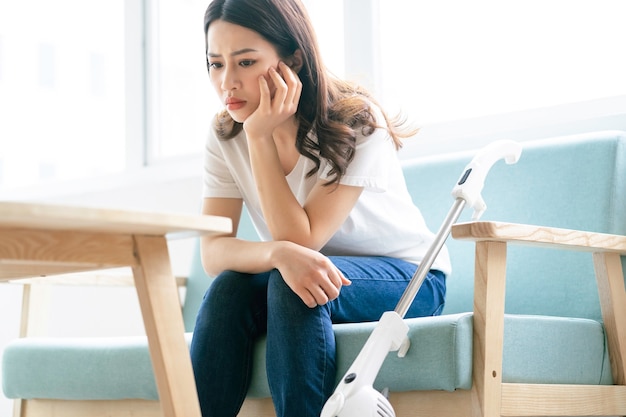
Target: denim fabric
238 308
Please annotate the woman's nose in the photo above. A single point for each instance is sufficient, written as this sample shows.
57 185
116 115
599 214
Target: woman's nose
229 79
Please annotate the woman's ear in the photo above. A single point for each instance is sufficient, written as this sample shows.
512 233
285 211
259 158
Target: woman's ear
295 61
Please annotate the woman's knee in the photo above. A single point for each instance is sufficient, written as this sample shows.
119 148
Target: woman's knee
226 283
280 296
232 291
237 285
222 290
276 283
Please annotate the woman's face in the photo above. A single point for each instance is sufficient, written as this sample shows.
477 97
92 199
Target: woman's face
237 57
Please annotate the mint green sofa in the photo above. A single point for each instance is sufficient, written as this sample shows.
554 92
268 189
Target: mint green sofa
554 332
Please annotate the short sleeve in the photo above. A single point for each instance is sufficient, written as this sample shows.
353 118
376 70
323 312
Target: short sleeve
374 157
218 180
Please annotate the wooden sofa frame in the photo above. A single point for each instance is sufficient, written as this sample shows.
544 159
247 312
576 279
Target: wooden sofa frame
489 396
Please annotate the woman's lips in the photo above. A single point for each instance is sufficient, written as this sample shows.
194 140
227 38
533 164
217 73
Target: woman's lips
234 104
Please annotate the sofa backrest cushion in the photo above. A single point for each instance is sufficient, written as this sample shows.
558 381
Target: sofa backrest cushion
574 182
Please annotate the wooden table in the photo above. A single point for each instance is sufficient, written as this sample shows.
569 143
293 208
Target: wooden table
42 240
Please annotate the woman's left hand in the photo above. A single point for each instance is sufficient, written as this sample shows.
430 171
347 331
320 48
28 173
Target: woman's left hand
309 274
274 109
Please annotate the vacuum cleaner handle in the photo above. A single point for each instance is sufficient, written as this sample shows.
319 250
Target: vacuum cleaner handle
467 193
471 183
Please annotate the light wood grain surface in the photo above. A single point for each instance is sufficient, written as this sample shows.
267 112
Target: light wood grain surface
539 236
89 219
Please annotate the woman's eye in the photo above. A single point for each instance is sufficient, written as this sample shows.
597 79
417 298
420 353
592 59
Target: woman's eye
247 62
215 65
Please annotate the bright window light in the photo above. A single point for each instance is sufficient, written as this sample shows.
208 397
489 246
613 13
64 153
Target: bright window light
183 101
452 60
61 90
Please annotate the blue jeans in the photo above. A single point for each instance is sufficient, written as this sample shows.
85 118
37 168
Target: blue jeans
239 308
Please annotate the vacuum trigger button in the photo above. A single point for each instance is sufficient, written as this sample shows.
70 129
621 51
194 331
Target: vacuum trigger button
349 378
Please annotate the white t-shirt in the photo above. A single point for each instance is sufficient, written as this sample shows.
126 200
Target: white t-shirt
384 220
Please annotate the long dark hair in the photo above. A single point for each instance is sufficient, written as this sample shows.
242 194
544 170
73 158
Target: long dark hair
332 109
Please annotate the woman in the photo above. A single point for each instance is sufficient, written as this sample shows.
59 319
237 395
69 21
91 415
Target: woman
315 161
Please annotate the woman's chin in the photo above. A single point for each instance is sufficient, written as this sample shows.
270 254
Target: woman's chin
238 116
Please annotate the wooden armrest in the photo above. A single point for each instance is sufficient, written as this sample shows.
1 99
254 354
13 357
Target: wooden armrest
489 289
116 277
539 236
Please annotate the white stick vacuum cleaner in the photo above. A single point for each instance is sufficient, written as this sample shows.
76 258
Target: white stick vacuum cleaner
355 395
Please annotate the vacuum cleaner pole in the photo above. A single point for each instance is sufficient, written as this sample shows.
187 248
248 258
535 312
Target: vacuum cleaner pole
418 278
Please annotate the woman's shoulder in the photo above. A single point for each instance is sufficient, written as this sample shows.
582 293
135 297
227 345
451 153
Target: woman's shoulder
356 107
223 127
216 140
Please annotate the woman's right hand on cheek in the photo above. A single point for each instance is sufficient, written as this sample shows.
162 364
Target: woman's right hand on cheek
311 275
273 111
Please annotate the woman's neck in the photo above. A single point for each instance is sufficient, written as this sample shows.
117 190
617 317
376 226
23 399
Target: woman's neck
285 134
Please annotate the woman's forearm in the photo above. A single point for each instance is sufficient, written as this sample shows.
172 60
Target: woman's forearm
229 253
285 217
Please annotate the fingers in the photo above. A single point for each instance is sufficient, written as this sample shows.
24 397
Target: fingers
288 88
327 289
344 280
314 296
319 297
266 95
294 85
308 298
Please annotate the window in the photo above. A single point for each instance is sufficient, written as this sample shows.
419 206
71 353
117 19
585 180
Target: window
112 90
62 90
105 90
181 100
454 60
329 21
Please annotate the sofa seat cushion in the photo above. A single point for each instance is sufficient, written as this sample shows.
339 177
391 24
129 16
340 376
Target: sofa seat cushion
537 349
555 350
439 357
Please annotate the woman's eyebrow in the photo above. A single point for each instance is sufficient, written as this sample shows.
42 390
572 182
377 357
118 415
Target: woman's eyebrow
235 53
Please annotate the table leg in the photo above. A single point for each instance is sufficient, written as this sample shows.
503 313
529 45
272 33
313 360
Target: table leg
158 297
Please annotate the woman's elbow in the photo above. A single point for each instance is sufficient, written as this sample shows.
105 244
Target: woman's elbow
307 241
208 259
